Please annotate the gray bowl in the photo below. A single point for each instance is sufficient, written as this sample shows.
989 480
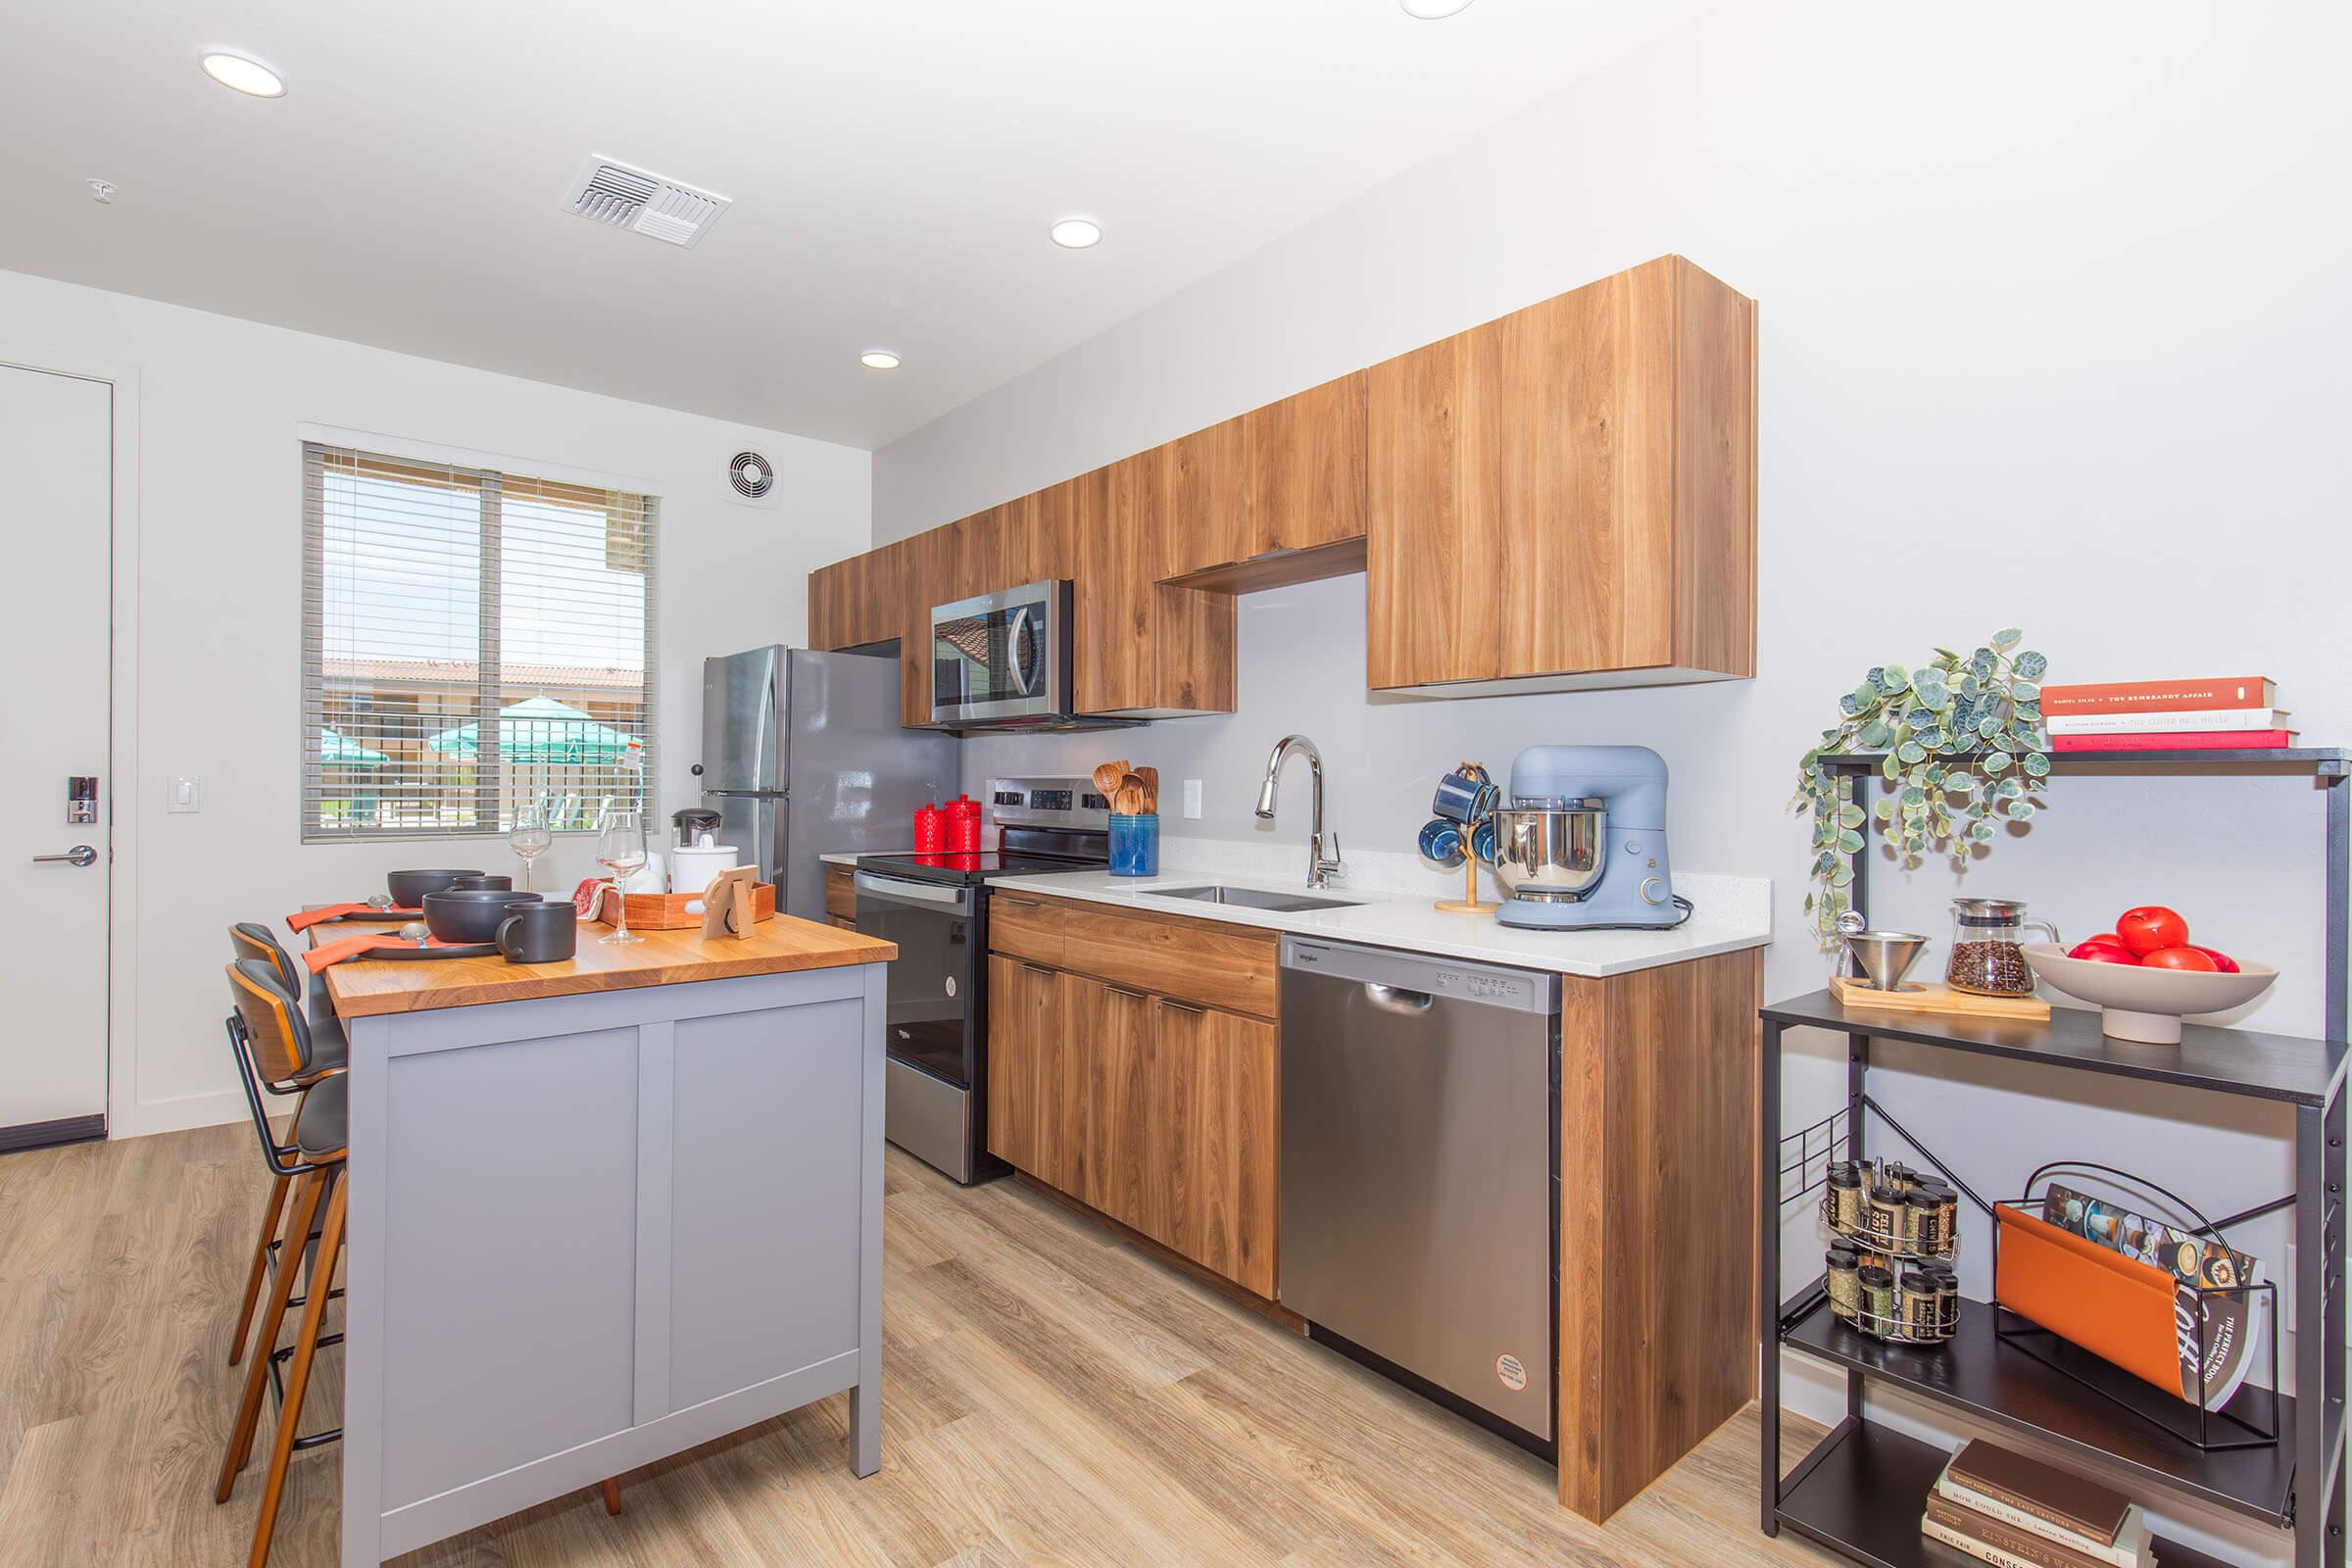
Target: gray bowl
470 914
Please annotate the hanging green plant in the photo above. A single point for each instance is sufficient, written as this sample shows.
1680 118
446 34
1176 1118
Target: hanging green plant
1965 751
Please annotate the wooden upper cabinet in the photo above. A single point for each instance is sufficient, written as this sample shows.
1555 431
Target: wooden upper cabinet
1201 494
1142 647
1566 497
854 601
1304 464
927 576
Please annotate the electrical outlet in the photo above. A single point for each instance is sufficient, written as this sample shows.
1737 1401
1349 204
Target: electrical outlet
1191 798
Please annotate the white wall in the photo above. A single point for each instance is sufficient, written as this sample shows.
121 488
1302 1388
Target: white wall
218 589
2053 334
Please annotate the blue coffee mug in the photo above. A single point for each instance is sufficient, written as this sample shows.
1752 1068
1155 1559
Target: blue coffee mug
1441 841
1464 797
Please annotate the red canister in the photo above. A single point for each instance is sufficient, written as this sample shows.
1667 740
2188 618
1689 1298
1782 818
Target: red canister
930 830
964 825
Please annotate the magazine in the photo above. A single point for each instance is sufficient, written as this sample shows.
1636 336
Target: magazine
2206 1275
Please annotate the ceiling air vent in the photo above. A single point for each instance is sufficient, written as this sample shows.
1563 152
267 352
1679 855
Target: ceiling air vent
622 197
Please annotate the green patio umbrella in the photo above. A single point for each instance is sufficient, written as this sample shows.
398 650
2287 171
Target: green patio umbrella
538 729
337 749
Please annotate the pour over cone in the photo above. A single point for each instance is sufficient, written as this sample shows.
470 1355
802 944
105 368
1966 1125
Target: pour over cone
1885 956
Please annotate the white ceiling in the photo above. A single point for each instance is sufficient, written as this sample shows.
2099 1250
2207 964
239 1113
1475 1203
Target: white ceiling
894 165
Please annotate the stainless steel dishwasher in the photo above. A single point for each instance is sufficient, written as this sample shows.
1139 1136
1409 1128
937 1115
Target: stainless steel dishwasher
1420 1130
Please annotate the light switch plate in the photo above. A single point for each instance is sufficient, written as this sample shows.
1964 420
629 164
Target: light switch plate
187 793
1191 798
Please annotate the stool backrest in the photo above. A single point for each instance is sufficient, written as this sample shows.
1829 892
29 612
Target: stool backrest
274 1020
249 939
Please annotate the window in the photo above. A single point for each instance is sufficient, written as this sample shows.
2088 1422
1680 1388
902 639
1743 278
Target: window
473 642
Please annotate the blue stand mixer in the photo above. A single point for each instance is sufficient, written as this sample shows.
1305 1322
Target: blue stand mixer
1580 840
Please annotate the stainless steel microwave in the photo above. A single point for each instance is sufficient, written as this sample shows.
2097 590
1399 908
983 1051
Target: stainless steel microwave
1001 660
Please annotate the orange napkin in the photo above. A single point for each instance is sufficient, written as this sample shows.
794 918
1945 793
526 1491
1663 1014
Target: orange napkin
335 911
329 954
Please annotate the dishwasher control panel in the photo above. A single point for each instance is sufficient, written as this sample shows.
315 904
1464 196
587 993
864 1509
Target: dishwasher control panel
1520 990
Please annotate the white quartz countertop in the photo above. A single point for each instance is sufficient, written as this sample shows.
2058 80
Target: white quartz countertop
1730 914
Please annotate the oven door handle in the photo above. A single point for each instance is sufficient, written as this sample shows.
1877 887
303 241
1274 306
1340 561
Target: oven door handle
930 894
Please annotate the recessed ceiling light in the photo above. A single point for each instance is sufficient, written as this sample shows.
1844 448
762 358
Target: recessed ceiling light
878 360
1433 10
243 74
1077 234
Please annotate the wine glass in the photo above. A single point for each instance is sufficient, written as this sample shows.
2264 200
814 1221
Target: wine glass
621 850
529 838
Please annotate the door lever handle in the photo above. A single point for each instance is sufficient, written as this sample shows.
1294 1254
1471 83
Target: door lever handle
78 854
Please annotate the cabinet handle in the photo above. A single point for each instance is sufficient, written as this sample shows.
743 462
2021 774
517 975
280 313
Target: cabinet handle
1181 1006
1125 991
1039 969
1006 900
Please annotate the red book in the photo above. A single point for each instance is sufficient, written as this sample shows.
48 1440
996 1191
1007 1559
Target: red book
2186 695
2235 740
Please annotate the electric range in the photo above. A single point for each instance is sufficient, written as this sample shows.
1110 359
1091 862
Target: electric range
935 908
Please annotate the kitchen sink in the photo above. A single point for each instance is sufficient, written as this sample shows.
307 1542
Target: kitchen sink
1255 899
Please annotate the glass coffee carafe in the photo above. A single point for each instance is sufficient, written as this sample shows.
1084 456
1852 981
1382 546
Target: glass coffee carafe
1987 938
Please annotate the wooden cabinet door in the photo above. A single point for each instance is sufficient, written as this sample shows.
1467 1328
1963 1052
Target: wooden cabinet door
1431 592
1202 493
829 599
927 567
1211 1143
1026 1068
1114 511
1106 1104
1305 457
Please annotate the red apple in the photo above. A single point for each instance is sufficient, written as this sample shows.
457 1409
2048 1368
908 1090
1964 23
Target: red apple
2150 927
2103 948
2221 961
2190 958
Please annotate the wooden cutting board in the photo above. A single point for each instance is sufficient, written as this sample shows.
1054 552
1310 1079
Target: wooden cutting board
1936 997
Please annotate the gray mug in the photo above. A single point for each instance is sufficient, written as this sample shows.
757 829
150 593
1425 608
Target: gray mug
540 933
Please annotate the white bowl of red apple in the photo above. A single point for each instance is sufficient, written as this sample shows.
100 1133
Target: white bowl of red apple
2146 974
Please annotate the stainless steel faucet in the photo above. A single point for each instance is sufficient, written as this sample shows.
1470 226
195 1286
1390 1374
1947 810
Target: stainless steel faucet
1322 869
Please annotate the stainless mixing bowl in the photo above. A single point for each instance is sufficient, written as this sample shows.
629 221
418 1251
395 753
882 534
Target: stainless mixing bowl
1548 851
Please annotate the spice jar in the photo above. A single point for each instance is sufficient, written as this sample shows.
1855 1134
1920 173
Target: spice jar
1922 1222
1948 1217
1845 1197
1844 1283
1883 1218
1922 1318
1878 1300
1948 1298
1987 956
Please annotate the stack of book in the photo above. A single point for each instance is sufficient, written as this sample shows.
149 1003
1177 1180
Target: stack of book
2001 1508
2234 712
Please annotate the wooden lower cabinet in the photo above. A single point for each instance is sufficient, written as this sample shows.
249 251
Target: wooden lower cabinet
841 895
1162 1114
1211 1139
1025 1034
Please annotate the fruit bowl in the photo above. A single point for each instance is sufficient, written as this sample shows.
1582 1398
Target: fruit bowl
2146 1005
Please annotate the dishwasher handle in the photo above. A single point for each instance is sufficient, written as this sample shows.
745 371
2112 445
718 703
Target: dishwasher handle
1396 999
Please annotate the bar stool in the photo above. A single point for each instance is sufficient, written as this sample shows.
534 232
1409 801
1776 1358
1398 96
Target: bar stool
329 1053
273 1046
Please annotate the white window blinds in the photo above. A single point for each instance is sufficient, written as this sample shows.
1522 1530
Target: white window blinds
473 643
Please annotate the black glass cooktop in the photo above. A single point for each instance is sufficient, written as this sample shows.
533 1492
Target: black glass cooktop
972 868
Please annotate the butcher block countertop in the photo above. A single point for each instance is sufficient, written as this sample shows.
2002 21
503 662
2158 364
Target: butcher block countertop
360 987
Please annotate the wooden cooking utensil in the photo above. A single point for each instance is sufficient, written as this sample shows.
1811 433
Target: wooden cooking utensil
1107 775
1150 778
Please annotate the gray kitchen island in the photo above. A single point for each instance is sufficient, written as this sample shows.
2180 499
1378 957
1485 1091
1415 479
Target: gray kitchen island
601 1212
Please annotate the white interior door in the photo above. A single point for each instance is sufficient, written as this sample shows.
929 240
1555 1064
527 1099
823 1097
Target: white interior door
55 512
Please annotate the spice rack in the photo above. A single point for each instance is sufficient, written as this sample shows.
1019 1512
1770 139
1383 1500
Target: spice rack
1884 1276
1861 1489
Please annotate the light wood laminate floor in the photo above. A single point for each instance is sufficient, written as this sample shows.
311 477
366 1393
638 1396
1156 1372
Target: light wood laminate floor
1053 1397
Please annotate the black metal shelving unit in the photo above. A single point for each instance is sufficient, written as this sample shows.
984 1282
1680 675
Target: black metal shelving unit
1863 1487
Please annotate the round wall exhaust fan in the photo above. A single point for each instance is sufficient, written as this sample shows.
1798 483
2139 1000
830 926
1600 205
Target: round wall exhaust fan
752 476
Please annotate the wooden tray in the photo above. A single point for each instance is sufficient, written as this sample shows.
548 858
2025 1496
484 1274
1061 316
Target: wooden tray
667 911
1934 997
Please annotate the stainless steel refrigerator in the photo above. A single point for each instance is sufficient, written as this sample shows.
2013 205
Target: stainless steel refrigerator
803 756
